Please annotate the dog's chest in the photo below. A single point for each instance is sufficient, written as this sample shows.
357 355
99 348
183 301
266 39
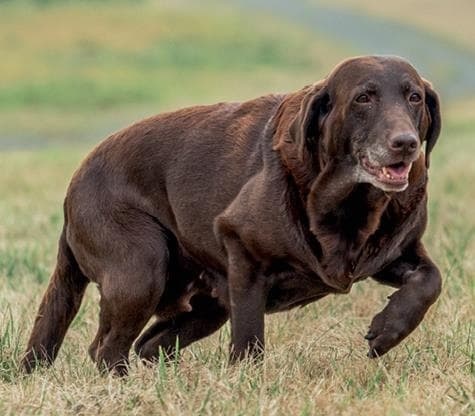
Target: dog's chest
376 254
300 287
290 289
382 248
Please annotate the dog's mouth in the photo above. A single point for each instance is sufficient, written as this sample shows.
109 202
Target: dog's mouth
395 175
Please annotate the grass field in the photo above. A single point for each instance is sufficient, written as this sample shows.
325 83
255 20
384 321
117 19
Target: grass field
316 357
61 64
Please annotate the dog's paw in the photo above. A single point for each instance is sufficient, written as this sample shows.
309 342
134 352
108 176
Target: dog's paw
384 334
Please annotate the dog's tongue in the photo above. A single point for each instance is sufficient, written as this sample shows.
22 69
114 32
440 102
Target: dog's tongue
397 171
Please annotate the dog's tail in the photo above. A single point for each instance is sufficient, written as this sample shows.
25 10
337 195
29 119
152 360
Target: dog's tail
58 307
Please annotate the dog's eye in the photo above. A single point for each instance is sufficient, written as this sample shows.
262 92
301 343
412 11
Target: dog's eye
363 99
415 98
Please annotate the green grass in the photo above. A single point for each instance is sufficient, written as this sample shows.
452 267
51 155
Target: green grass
72 72
68 70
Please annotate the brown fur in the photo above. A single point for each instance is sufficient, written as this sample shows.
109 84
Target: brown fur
238 209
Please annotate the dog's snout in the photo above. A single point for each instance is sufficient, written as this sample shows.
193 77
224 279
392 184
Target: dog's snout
404 143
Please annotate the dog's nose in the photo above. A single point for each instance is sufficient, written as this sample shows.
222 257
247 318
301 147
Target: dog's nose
404 143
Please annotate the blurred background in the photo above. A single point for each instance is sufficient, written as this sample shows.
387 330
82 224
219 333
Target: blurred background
74 71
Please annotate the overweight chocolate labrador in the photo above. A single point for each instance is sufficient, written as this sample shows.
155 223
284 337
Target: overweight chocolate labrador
237 209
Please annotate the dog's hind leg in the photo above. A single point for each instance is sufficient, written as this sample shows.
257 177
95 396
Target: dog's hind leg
122 316
207 316
131 285
58 308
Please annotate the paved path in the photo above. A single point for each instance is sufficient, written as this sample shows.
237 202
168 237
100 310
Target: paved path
449 66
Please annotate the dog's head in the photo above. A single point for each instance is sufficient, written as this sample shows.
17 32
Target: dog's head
378 111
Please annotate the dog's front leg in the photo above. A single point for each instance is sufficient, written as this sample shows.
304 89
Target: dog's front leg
247 298
419 283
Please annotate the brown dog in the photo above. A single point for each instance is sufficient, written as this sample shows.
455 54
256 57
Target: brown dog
234 210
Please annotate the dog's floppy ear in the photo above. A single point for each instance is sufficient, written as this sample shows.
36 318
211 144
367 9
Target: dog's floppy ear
304 129
298 122
432 109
